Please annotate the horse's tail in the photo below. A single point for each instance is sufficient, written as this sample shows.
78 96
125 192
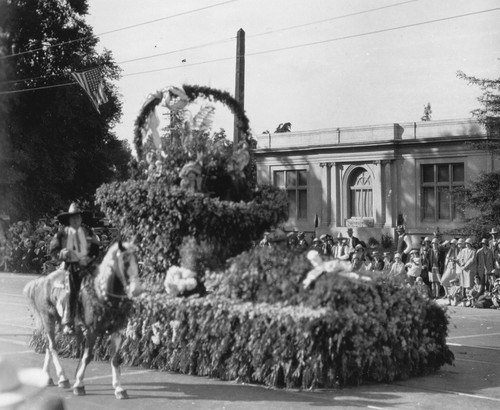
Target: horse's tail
29 290
29 293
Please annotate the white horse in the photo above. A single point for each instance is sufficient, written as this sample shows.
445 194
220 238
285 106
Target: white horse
104 305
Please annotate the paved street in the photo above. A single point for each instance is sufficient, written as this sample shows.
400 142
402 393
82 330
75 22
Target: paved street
473 383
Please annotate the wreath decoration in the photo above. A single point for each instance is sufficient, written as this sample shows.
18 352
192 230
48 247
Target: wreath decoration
176 99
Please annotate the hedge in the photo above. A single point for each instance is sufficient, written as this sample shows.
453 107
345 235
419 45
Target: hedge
289 346
161 217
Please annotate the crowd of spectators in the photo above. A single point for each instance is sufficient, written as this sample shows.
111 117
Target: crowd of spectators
24 245
457 271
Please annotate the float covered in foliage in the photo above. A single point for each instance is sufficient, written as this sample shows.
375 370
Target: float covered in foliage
194 210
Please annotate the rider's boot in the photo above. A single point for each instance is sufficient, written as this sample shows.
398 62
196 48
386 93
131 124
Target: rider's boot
67 321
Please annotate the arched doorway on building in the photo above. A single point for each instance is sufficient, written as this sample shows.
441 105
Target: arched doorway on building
359 194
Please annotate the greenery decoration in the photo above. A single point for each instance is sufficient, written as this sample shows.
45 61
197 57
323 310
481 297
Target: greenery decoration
258 325
161 217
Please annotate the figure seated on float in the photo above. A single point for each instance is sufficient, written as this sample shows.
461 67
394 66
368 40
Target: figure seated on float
334 266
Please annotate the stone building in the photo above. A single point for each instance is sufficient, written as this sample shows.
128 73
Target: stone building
375 177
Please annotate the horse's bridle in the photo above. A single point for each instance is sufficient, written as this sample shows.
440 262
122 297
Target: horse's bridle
122 271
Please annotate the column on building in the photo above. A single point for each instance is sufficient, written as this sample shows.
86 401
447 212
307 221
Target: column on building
388 193
378 195
326 194
336 198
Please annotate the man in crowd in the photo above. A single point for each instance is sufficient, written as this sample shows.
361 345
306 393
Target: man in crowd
403 245
303 245
485 265
425 259
493 242
341 249
352 241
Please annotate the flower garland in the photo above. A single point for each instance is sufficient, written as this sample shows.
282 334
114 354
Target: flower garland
192 92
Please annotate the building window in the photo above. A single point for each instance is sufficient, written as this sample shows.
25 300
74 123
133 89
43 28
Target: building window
295 184
439 199
361 194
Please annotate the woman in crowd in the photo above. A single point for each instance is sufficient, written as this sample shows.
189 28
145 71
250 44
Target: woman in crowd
467 261
398 269
450 267
435 268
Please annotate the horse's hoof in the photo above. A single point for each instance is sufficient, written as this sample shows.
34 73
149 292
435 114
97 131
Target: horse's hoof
122 394
79 391
50 382
64 384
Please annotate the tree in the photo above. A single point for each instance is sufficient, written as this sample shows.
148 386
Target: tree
488 114
481 195
55 147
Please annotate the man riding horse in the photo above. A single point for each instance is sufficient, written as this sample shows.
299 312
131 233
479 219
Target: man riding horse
78 247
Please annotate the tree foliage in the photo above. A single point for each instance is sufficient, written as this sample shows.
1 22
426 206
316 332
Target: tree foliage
488 113
480 197
54 146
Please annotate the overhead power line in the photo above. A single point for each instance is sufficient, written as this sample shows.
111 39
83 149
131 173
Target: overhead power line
357 13
116 30
321 41
220 41
289 47
127 61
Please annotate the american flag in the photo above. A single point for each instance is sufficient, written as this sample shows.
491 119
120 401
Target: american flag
93 84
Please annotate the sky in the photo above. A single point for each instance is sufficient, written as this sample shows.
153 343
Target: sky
314 63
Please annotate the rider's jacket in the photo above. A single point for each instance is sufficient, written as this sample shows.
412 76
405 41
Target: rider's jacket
65 239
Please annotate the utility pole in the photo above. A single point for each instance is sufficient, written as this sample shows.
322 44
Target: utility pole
240 79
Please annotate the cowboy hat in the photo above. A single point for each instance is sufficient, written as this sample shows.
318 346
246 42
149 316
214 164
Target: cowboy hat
190 167
16 386
74 209
494 231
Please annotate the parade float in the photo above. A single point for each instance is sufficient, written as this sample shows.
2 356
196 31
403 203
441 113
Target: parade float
218 305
